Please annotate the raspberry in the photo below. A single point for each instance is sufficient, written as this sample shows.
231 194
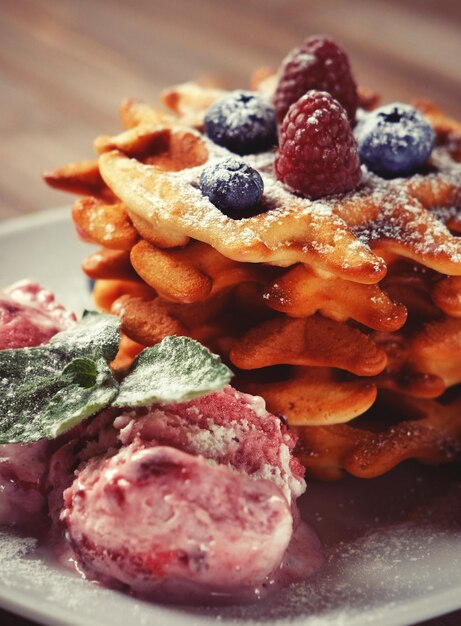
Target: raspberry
319 63
232 185
318 155
395 140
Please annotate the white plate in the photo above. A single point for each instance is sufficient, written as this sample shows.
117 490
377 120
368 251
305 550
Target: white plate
393 544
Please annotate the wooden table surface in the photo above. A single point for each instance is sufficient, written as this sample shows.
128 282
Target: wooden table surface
66 64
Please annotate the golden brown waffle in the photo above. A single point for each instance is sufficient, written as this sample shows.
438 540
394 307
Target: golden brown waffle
313 340
326 308
301 292
80 178
428 430
309 396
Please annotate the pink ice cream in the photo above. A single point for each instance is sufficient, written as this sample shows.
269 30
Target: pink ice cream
93 438
229 427
166 522
22 474
198 502
29 316
188 501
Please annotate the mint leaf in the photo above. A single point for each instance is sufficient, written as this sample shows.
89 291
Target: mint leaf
82 371
46 390
174 370
76 402
97 333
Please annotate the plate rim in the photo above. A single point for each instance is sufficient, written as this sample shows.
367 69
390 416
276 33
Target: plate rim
28 220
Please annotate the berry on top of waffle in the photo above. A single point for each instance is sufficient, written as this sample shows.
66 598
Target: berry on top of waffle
243 122
232 185
334 286
321 64
318 155
395 140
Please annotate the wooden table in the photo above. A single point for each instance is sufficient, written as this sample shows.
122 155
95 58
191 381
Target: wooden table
66 64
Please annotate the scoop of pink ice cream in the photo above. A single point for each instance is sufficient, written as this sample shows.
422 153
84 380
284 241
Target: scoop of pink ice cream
30 316
22 473
229 427
199 500
169 524
92 438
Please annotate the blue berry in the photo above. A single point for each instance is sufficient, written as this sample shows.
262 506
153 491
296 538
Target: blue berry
242 122
394 140
232 185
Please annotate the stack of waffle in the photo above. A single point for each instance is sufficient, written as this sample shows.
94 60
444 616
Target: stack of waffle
343 313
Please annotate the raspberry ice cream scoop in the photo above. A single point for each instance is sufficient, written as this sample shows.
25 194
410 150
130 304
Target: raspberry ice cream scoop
229 427
92 438
171 525
22 473
30 316
198 502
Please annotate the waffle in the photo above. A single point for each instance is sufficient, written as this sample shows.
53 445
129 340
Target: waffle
340 312
429 431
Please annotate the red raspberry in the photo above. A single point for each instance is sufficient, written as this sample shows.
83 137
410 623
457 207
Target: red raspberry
319 63
318 155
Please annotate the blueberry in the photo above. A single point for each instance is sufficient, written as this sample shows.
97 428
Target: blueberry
394 140
231 185
242 122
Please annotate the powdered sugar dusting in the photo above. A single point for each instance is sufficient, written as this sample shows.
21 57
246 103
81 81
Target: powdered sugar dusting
228 427
340 234
29 576
15 547
392 555
409 227
288 229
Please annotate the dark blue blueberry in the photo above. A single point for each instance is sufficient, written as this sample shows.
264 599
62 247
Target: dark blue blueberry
242 122
394 140
232 185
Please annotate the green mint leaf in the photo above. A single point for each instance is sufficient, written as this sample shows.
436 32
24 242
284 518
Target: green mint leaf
97 332
46 390
83 372
174 370
76 402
